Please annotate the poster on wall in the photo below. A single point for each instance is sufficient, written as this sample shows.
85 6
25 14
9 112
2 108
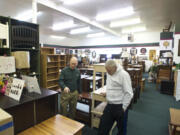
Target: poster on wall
166 44
152 54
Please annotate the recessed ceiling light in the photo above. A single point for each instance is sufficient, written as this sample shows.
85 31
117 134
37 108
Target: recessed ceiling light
125 22
26 15
115 14
134 29
80 30
71 2
58 37
64 25
95 35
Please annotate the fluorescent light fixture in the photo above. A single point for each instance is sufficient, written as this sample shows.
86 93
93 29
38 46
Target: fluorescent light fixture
64 25
71 2
80 30
125 22
24 16
57 37
95 35
115 14
134 29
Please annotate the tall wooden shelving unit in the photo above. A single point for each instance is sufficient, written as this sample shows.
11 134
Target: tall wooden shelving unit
23 36
51 64
97 111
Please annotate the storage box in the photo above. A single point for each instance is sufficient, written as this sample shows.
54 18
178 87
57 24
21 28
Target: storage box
6 123
22 59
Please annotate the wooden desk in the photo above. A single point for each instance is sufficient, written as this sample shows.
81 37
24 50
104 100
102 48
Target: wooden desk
57 125
174 124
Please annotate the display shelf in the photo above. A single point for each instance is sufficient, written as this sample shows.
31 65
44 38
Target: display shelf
47 50
25 49
50 66
23 36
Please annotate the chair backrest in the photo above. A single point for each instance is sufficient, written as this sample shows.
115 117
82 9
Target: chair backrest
164 74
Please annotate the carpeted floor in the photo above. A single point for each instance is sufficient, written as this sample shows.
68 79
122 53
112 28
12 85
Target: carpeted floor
149 116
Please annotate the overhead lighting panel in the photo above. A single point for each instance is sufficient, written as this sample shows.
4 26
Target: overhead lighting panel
80 30
72 2
95 35
120 13
26 15
125 22
57 37
64 25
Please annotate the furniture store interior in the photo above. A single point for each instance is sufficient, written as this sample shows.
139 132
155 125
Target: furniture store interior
112 68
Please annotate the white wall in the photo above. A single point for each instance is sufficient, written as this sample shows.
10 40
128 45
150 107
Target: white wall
145 37
44 39
176 58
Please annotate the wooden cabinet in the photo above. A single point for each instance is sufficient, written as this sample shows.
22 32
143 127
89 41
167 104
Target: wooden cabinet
51 64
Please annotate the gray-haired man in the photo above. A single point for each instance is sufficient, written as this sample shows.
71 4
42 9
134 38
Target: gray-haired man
118 94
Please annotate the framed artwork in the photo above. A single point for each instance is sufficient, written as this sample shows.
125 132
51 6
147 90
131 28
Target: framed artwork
133 51
94 54
166 44
124 49
143 50
152 54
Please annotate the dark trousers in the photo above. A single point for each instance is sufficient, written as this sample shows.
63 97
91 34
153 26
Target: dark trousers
112 113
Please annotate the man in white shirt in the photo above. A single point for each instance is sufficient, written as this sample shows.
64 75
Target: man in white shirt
118 94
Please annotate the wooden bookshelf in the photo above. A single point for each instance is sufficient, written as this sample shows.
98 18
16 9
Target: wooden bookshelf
51 64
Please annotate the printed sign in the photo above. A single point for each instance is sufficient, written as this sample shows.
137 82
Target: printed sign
7 64
31 84
16 89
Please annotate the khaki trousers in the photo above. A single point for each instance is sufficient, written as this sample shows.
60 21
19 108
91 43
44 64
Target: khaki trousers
68 103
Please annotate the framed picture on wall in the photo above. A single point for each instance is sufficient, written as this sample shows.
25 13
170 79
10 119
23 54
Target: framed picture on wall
152 54
133 51
143 50
124 49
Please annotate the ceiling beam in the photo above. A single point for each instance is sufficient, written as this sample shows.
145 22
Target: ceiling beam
68 12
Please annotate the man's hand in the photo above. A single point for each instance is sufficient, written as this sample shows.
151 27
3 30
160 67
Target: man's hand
66 90
79 96
103 94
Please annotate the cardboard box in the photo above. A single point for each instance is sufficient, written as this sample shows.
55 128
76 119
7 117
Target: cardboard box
6 123
22 59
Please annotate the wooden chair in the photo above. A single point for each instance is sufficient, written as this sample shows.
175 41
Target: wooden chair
163 74
174 123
